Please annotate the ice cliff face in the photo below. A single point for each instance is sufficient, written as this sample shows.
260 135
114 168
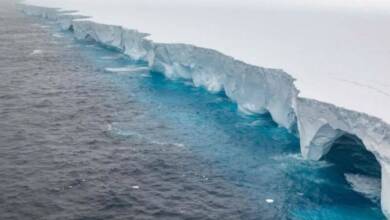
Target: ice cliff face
130 42
254 89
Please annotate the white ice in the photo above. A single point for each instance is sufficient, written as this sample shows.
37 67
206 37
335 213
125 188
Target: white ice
35 52
338 50
127 69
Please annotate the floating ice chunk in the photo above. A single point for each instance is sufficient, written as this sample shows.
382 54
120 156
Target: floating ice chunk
35 52
178 145
127 69
58 35
269 200
370 187
135 187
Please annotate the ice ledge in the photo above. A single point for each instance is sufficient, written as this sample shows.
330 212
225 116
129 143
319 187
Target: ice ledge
255 89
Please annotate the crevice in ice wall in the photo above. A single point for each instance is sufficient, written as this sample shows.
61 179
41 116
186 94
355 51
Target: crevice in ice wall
254 89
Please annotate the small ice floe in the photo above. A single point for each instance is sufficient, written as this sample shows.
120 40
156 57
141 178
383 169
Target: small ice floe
135 187
128 69
109 127
35 52
58 35
370 187
178 145
269 200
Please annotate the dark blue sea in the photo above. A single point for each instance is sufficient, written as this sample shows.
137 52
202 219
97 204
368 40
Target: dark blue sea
87 134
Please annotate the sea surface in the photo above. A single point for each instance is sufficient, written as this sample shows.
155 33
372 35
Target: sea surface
86 133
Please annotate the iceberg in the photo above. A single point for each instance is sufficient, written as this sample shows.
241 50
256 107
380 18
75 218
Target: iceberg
255 89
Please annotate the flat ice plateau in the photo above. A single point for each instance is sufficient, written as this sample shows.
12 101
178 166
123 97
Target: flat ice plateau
335 57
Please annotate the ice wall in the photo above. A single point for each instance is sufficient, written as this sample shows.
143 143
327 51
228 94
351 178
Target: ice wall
254 89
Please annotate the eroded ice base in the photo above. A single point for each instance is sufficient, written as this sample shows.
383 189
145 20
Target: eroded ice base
254 89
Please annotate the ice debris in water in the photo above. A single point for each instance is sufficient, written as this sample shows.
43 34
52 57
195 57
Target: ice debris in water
35 52
127 69
135 187
269 200
57 35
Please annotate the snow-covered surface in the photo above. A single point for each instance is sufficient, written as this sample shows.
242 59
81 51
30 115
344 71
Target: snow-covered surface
338 57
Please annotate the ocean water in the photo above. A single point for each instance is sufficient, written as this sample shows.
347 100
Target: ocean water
86 133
